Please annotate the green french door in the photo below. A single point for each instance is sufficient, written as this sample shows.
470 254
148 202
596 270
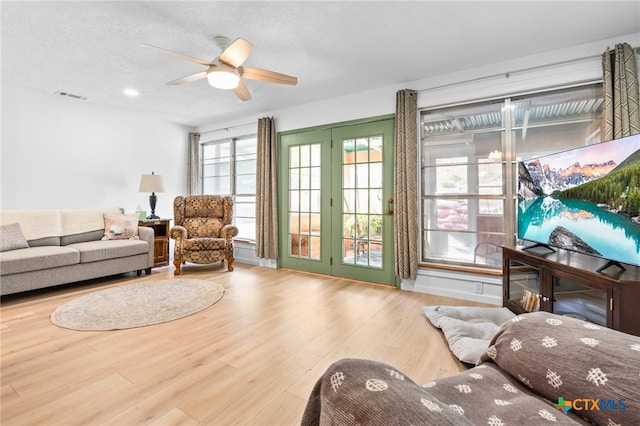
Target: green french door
336 203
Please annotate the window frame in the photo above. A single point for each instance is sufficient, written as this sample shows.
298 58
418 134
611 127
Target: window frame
508 131
239 199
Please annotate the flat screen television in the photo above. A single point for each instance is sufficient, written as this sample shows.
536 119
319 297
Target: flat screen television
585 200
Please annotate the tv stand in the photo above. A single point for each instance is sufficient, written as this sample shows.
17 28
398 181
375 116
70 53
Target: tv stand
572 284
611 263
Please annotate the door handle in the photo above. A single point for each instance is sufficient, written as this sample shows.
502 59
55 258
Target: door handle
389 211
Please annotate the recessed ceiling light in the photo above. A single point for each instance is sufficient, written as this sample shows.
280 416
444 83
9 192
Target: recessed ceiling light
131 92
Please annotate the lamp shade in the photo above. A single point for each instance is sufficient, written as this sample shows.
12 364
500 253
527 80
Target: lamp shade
151 183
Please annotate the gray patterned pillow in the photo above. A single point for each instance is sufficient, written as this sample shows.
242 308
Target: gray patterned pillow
12 238
590 370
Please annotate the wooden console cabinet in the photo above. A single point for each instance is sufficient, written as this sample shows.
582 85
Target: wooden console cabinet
161 246
567 283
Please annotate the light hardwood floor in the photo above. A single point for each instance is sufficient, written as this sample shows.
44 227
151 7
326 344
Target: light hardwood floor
250 359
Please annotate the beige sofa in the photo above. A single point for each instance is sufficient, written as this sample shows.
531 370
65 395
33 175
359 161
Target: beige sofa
65 246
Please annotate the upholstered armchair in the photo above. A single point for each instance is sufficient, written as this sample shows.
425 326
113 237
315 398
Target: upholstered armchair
202 230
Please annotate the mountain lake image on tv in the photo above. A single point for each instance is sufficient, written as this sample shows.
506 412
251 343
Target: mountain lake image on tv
585 199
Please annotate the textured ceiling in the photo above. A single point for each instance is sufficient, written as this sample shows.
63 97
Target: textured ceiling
92 49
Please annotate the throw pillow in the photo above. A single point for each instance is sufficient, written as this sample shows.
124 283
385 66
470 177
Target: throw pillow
120 227
12 238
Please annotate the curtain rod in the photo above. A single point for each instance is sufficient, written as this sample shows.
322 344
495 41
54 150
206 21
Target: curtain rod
228 128
507 74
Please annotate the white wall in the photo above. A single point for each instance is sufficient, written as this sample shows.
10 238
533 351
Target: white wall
64 153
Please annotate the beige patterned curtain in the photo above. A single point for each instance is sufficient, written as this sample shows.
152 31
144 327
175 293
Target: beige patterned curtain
266 191
405 186
620 77
193 165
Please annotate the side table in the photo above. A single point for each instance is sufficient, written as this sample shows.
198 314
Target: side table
161 242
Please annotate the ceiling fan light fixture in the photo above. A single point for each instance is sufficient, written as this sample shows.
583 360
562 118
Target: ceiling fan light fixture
223 77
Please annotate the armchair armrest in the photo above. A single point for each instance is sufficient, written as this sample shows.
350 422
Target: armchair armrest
147 234
228 232
178 232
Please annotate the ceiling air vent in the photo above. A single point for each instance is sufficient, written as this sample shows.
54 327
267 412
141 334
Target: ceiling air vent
71 95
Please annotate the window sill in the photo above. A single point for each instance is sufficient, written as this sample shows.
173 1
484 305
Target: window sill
244 240
460 268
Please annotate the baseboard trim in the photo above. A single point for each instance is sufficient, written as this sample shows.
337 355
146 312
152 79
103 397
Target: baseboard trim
245 252
458 285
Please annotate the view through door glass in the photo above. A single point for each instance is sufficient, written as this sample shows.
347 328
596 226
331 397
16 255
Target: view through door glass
338 201
304 201
362 201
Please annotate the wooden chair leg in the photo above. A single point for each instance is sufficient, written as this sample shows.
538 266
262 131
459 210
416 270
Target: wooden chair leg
230 263
177 264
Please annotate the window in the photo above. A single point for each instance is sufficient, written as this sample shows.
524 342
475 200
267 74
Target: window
468 166
228 167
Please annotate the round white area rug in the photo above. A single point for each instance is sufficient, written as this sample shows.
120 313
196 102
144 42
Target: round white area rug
137 305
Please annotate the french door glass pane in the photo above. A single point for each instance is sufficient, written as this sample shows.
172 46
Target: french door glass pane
304 201
362 203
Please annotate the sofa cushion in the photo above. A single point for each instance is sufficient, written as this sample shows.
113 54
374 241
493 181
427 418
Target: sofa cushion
573 363
46 241
94 251
120 226
12 238
204 244
367 392
82 237
36 258
488 395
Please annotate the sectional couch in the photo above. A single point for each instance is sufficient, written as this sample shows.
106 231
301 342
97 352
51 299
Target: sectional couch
539 369
52 247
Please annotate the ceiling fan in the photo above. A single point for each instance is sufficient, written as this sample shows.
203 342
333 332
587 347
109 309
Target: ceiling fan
226 71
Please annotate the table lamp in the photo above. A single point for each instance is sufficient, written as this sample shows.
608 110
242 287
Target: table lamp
151 183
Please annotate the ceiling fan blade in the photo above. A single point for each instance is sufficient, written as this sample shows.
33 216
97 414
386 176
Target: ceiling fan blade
188 79
242 92
236 53
176 54
268 76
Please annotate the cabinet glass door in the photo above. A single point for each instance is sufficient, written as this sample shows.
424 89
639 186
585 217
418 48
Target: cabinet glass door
524 286
573 299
